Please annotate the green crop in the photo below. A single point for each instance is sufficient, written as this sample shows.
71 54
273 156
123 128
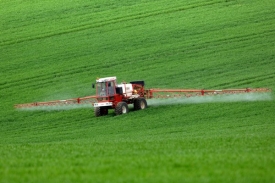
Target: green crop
54 50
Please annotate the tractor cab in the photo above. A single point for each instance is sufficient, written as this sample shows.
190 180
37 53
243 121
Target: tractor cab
108 93
106 87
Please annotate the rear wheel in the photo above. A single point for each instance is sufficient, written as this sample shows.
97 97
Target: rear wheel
101 111
140 103
121 108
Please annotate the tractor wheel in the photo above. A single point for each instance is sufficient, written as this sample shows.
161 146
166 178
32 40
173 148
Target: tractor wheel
140 103
97 112
101 111
121 108
104 111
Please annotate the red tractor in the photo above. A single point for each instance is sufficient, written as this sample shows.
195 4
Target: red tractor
111 95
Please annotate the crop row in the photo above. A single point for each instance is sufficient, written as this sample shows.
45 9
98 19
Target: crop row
94 24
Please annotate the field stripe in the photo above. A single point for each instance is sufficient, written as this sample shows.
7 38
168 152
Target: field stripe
112 21
247 80
30 81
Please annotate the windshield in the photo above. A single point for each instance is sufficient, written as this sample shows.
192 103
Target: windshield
101 89
105 89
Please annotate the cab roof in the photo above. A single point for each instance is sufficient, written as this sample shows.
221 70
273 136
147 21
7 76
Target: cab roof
100 80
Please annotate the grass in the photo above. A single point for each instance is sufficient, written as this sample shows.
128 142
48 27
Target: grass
203 148
55 50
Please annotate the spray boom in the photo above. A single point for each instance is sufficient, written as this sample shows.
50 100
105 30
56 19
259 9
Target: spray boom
111 95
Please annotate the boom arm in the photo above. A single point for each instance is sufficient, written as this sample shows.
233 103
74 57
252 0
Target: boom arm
83 100
170 93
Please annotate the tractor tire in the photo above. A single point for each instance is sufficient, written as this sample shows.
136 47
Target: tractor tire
121 108
97 111
101 111
140 103
104 111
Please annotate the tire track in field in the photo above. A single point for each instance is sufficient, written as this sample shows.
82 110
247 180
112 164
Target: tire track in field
47 78
193 48
231 39
113 21
247 80
209 45
37 81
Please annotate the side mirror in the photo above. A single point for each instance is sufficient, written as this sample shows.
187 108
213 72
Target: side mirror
93 85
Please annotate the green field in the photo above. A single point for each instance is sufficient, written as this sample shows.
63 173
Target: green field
56 49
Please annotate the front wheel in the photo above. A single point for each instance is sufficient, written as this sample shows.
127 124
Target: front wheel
101 111
121 108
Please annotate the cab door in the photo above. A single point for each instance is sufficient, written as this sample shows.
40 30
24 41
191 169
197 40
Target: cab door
111 88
